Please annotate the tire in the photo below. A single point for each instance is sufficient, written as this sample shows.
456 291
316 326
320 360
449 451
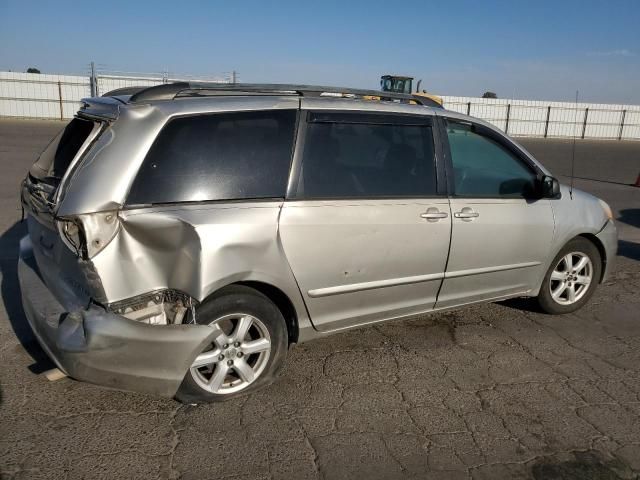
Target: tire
227 358
559 282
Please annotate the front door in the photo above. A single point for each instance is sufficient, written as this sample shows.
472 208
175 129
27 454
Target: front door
364 230
501 234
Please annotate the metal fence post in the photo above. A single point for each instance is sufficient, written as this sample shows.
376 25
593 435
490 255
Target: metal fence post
506 126
60 100
92 81
546 123
624 114
584 124
468 108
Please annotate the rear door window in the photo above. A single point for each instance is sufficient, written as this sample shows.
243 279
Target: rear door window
228 156
367 156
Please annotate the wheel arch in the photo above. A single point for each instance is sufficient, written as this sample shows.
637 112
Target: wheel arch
600 246
587 236
278 297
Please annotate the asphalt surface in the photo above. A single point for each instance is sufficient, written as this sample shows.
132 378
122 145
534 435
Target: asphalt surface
603 160
490 391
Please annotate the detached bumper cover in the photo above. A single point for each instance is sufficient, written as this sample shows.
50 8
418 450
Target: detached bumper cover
609 238
104 348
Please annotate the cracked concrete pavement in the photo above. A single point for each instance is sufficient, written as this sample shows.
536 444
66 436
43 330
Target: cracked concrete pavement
489 391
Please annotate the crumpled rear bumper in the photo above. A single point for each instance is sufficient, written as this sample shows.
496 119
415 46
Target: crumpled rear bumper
96 346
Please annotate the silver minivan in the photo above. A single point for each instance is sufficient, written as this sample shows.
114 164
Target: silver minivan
182 237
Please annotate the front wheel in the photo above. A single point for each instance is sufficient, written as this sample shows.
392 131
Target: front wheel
572 277
248 349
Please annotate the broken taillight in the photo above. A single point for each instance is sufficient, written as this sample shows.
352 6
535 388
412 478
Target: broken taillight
70 234
86 235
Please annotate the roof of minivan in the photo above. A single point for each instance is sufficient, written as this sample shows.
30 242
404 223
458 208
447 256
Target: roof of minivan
176 90
109 104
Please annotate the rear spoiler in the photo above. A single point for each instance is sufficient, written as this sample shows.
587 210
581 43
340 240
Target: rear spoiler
101 108
118 92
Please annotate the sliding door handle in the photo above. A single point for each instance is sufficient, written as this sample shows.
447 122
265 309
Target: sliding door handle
433 214
467 214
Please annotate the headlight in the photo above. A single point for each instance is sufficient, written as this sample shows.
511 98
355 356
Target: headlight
607 209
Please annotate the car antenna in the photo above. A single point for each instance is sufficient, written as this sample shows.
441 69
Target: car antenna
573 148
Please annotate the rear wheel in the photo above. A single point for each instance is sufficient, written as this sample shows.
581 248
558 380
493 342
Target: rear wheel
248 349
572 277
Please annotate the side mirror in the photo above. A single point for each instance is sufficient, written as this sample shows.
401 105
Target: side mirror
549 187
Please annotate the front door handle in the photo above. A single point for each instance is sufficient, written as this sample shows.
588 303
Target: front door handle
466 214
433 214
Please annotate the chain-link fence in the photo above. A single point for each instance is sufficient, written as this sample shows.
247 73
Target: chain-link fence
31 95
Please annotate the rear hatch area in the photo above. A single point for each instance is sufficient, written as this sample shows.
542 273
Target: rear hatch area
58 261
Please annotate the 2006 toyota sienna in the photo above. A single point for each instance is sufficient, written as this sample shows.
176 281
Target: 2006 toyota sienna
183 236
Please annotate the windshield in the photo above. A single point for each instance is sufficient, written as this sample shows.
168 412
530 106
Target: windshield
56 158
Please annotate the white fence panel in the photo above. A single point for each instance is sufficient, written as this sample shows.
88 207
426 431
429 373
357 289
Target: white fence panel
33 95
41 96
495 113
565 121
58 96
603 123
553 119
459 107
527 120
631 129
106 83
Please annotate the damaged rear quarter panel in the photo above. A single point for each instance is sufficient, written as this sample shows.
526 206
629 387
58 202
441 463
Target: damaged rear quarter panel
197 249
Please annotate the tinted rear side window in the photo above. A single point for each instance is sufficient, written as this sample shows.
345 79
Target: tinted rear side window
350 160
228 156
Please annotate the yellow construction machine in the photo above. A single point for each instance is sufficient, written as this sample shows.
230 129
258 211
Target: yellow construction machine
402 84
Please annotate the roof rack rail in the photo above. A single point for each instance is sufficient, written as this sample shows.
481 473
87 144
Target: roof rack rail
170 91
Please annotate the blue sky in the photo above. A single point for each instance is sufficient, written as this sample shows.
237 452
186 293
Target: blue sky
518 49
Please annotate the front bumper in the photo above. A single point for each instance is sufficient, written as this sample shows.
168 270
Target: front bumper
609 238
99 347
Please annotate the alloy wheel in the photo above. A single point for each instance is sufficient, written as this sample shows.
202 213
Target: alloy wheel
571 278
237 356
